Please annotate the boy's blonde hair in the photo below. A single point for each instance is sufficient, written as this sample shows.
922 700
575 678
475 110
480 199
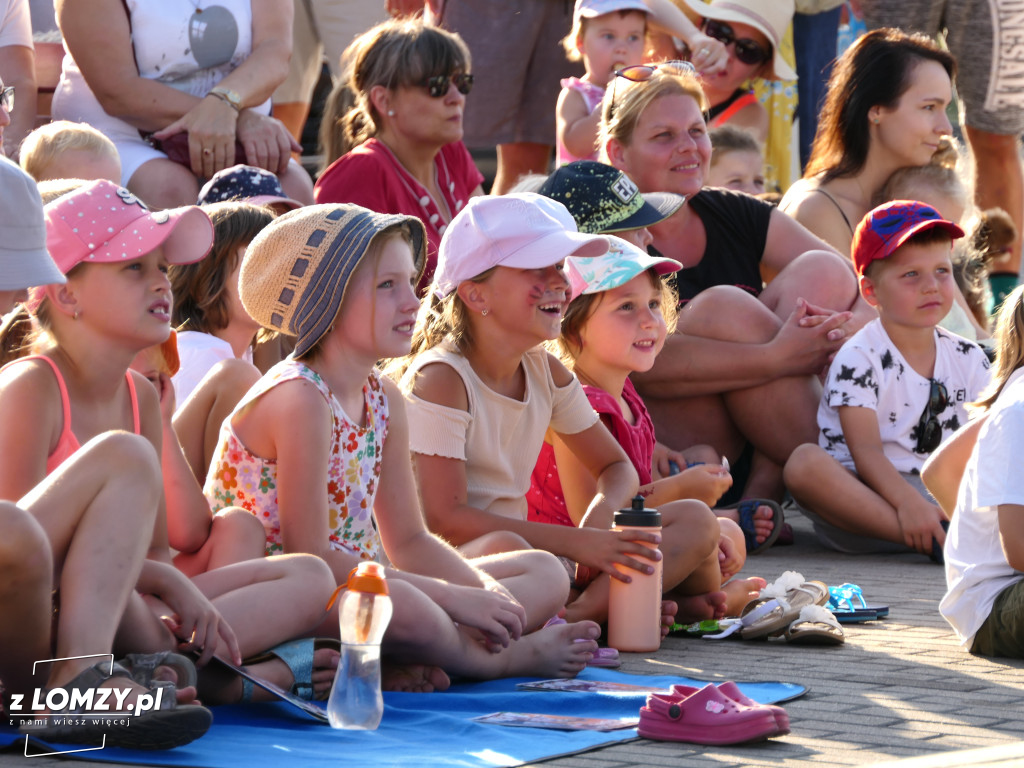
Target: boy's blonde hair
569 344
574 40
44 146
619 116
1009 347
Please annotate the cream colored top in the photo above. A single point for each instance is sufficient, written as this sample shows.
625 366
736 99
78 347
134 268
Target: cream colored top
499 438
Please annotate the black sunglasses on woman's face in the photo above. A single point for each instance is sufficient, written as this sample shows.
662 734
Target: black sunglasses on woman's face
437 86
747 50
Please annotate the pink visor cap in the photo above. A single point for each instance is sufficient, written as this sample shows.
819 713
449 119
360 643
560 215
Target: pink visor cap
622 263
518 230
102 222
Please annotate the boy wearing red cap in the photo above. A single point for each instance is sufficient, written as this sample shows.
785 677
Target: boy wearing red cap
893 392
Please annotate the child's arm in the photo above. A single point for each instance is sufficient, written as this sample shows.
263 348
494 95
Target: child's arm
189 517
944 469
577 128
195 622
443 490
31 416
918 518
707 54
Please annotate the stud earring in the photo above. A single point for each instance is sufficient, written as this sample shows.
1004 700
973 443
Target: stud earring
484 312
76 314
875 120
391 113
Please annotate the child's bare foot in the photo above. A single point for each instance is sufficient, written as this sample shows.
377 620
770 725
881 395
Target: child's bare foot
710 605
413 678
763 520
669 609
559 650
739 592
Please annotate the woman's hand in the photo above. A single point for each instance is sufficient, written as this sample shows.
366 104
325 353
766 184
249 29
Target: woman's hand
603 550
708 56
268 144
211 126
809 338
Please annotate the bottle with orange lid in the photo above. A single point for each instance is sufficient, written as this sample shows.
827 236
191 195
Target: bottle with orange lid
365 610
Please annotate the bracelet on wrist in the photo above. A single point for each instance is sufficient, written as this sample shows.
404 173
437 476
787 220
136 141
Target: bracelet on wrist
229 97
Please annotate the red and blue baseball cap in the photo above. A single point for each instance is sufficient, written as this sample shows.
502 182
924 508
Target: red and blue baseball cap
890 225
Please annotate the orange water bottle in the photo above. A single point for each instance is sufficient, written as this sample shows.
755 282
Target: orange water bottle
634 609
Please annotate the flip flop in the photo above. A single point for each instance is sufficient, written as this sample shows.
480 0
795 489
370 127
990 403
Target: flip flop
847 603
796 591
746 510
815 626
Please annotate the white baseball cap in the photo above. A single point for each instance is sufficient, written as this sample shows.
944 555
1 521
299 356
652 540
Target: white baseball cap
519 230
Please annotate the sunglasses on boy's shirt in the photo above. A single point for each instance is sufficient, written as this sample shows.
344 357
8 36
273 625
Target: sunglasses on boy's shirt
929 429
437 86
748 51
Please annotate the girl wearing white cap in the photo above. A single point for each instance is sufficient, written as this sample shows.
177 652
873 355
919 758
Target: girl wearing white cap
483 392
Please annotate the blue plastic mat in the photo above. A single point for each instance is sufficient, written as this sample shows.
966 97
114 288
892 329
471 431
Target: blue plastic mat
419 730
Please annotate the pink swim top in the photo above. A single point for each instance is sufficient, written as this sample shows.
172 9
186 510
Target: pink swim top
68 443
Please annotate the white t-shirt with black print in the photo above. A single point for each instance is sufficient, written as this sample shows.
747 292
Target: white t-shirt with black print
869 371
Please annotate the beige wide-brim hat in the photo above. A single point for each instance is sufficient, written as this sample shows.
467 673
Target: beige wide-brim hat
771 17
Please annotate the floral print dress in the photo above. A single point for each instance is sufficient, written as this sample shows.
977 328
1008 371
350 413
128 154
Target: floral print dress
238 478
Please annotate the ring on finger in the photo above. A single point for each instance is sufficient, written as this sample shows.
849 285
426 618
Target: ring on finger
704 51
207 151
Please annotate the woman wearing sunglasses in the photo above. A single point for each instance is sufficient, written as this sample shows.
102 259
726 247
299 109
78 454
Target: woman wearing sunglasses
742 369
392 131
751 31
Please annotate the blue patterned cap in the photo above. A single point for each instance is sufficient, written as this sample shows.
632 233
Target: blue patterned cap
245 183
622 263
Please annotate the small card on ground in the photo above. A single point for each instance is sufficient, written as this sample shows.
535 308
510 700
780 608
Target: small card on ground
556 722
290 698
587 686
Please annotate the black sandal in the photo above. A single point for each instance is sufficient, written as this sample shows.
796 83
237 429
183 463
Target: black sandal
168 727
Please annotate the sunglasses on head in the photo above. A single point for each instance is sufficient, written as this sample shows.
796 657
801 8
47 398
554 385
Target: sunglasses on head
747 51
929 430
7 98
638 73
437 86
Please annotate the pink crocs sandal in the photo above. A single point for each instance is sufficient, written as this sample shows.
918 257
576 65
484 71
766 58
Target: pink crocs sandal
705 717
730 689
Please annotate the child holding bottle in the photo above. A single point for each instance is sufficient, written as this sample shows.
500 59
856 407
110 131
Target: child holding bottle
616 324
483 391
318 451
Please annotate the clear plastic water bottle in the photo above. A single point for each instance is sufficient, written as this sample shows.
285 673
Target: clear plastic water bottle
364 613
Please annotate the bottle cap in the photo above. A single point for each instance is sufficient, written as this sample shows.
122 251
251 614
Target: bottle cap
638 516
368 577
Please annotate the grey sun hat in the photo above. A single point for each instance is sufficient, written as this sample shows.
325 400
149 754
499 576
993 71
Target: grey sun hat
604 200
24 260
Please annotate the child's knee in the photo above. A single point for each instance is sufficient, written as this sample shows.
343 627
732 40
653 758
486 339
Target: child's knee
688 525
241 529
803 463
24 547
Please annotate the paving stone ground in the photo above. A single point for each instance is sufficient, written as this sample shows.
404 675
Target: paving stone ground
899 690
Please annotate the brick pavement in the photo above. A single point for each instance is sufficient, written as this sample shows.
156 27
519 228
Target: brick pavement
899 688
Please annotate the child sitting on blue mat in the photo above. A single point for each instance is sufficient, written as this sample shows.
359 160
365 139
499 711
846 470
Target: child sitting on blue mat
894 390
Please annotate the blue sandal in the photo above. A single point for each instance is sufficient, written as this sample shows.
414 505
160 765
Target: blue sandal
847 603
298 655
746 509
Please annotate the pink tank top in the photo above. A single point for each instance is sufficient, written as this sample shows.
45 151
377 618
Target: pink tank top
68 443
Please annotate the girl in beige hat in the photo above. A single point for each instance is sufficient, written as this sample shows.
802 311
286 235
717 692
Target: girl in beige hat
318 450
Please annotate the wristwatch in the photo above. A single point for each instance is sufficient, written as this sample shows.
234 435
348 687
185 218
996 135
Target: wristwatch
226 94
